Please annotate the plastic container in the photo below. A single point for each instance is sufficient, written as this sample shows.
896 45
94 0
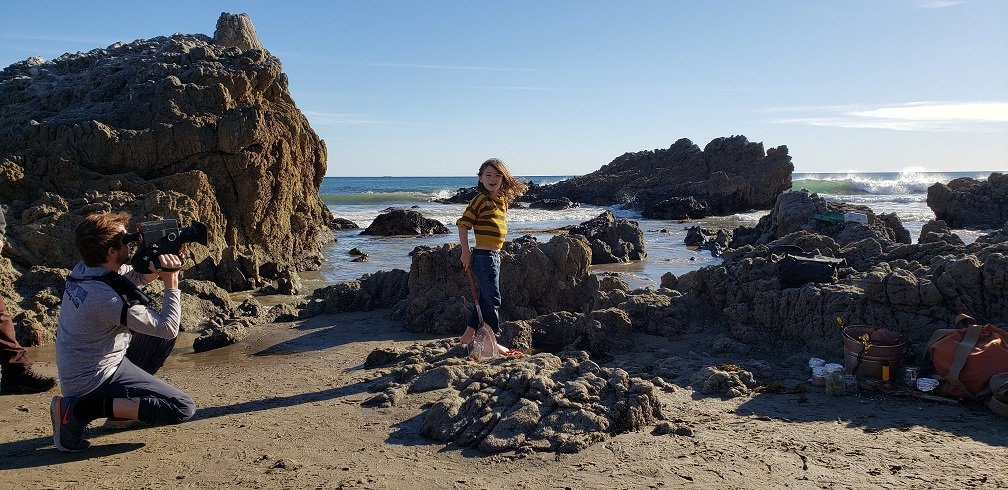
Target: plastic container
910 374
819 376
835 384
927 384
850 384
852 217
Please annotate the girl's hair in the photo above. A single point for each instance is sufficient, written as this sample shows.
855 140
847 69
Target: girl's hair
97 234
511 187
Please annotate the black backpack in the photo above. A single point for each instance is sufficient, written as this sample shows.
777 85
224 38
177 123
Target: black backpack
800 267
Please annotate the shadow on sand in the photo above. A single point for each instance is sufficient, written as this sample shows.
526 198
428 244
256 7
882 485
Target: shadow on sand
38 452
333 330
875 412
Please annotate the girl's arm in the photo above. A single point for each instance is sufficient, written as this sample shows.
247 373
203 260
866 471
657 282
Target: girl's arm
464 242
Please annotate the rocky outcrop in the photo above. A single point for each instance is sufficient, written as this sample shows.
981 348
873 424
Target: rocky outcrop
971 203
543 403
728 175
801 211
612 240
383 289
182 127
402 222
535 279
912 289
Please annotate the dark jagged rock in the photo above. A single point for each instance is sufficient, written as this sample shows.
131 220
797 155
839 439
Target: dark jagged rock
802 211
555 403
397 222
971 203
338 224
184 127
938 231
231 332
553 204
728 175
612 240
674 208
599 333
716 241
383 289
462 196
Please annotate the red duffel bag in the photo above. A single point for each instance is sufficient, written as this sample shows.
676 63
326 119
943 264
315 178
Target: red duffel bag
968 356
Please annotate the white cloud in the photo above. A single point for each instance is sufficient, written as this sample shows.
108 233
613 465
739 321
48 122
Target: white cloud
914 116
337 119
449 67
938 4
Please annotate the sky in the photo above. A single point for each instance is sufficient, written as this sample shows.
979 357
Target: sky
562 87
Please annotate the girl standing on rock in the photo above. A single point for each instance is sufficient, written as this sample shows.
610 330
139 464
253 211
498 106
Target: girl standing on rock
486 215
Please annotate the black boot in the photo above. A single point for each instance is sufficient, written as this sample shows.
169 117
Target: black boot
24 380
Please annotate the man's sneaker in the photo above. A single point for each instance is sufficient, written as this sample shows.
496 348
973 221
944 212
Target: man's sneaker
21 380
68 432
115 423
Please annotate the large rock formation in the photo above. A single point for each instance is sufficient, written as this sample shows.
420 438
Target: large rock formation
728 175
184 127
535 279
912 289
971 203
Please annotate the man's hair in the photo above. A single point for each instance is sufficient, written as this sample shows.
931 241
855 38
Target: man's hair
97 234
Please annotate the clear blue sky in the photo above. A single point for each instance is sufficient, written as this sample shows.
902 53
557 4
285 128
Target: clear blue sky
562 87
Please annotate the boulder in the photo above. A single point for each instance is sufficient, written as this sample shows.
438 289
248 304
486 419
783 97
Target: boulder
404 222
383 289
971 203
612 240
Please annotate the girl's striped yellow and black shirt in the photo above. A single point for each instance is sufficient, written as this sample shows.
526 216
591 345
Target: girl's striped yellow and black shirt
487 217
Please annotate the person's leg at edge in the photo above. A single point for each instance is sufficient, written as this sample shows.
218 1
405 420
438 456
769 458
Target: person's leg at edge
16 374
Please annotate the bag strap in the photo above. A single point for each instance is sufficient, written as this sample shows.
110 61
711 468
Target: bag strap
129 292
999 389
942 332
962 353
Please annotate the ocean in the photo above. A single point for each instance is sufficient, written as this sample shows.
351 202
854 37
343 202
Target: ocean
361 199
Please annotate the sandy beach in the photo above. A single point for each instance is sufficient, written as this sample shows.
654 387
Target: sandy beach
282 409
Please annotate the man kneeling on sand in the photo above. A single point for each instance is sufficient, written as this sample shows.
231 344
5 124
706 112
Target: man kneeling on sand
109 343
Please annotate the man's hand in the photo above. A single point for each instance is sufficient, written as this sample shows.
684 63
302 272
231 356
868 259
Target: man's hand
169 269
466 258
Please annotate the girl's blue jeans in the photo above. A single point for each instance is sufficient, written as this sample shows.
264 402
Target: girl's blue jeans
486 270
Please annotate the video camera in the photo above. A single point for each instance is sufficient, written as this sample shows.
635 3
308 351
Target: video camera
162 237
